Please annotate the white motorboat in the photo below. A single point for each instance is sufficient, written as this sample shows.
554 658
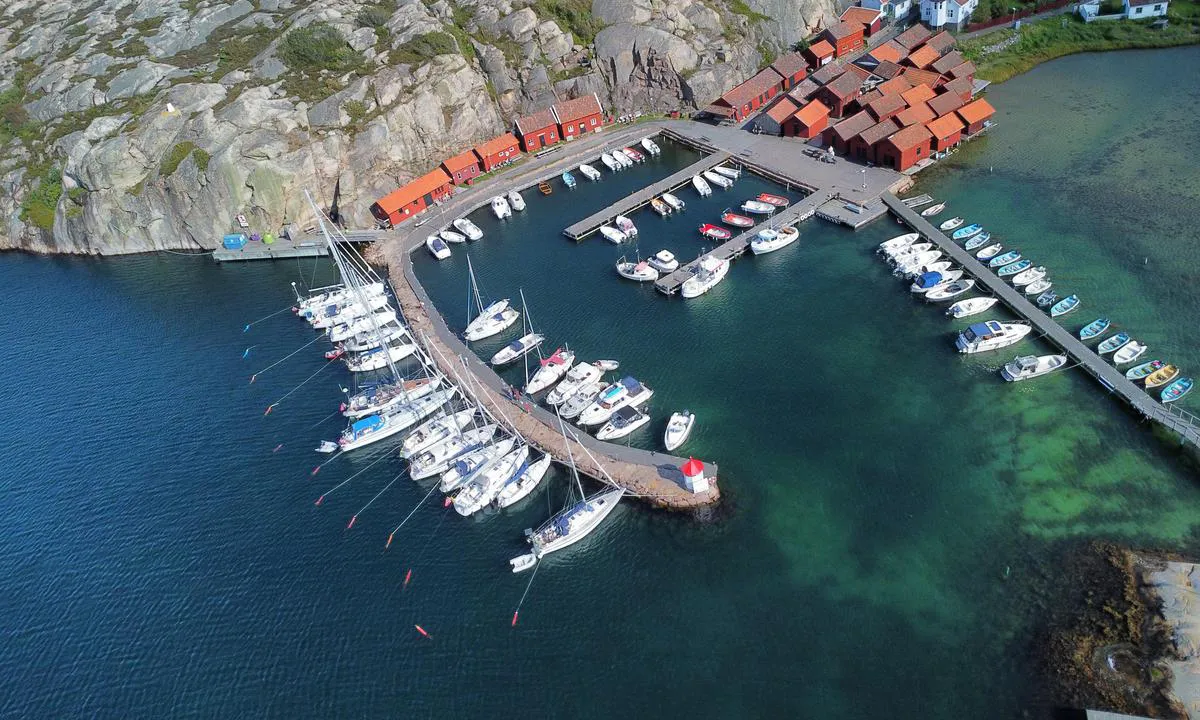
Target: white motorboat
465 465
758 207
990 335
664 261
626 226
437 247
705 276
368 323
971 306
550 371
468 228
717 179
500 208
621 158
626 393
578 376
1037 287
731 173
641 271
771 240
610 162
431 432
376 399
951 223
950 290
679 427
898 243
701 186
581 400
606 365
483 488
940 266
519 488
1129 352
1026 277
933 210
990 251
613 235
623 422
377 427
1024 367
438 458
515 201
916 264
651 146
901 254
377 359
676 204
589 172
568 527
933 279
452 237
517 348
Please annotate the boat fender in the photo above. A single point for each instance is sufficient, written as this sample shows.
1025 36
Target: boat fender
422 631
407 577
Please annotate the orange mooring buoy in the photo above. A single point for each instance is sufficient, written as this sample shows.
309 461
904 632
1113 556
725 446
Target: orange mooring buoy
422 631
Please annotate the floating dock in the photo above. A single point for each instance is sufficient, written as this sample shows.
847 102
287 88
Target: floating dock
1111 378
628 204
303 246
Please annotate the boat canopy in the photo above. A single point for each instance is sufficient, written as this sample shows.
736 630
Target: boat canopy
633 386
929 279
515 345
367 424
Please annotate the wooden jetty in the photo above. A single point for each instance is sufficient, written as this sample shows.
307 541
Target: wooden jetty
628 204
1112 379
309 244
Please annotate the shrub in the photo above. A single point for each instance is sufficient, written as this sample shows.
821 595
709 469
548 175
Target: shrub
318 47
178 154
373 16
572 15
38 206
425 47
201 157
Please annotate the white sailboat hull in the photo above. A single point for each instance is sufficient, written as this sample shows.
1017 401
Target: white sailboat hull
582 522
549 374
489 325
437 458
482 489
454 476
364 324
378 359
432 432
519 489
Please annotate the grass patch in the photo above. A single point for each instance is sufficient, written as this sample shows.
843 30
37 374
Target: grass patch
568 73
574 16
317 47
739 7
178 154
38 206
768 55
236 53
426 47
136 190
464 42
201 158
14 121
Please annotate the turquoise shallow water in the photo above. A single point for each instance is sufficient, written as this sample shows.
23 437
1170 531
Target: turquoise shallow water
160 559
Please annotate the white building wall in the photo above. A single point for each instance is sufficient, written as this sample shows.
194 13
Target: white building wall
1144 12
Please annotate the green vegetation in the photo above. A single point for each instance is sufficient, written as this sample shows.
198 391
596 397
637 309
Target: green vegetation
464 42
1065 35
426 47
178 154
373 16
201 158
236 53
739 7
317 47
38 206
768 55
574 16
801 45
14 121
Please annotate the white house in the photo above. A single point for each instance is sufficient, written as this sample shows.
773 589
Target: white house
892 9
937 14
1143 9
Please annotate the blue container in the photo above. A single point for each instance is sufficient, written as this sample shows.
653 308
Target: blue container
236 241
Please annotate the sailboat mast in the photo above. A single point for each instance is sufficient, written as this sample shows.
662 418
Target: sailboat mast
570 455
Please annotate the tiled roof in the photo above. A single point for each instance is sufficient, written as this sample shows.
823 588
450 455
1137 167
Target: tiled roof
868 97
889 51
913 36
910 137
895 86
812 112
922 57
917 113
918 93
965 70
789 64
948 61
961 87
853 125
803 90
827 73
821 48
945 103
886 105
861 15
916 77
397 199
945 126
464 159
782 110
763 81
941 42
887 69
845 86
979 110
537 121
580 107
878 132
844 30
721 110
862 73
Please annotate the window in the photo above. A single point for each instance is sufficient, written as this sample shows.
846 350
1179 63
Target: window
1157 8
593 122
1139 11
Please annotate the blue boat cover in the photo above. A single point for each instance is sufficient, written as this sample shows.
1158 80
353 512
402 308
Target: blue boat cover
929 279
980 329
515 345
366 424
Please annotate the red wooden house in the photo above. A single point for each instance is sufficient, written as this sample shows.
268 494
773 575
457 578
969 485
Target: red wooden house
840 135
845 38
946 131
772 120
743 100
808 122
537 130
413 198
792 67
871 20
578 116
839 93
945 104
497 151
820 53
904 149
463 168
976 115
862 146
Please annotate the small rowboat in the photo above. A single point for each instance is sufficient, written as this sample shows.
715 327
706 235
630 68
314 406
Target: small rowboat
977 241
731 218
1037 287
951 223
1064 306
701 186
717 179
613 235
1047 299
1030 276
1094 328
1007 258
990 251
776 200
1132 351
1176 390
758 207
1161 376
715 232
933 210
731 173
968 231
545 189
1014 268
1114 342
1141 371
567 178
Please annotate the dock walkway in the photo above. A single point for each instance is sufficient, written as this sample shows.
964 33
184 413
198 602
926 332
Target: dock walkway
629 203
1111 378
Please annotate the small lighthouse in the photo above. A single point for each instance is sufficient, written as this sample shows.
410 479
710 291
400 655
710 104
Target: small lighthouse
693 476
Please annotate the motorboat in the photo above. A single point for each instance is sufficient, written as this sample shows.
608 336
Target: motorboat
1028 276
515 201
379 318
500 208
1176 390
915 264
714 232
664 261
650 146
1094 328
464 465
374 428
769 240
940 266
452 237
628 392
1037 287
701 186
380 398
589 172
1047 299
731 218
626 226
676 204
1113 343
660 206
622 159
641 271
1064 306
623 422
568 527
515 349
966 232
610 162
489 324
729 172
933 210
1138 372
468 228
439 457
517 489
1025 367
971 306
931 279
717 179
437 247
679 427
1007 258
977 241
1161 376
578 376
951 223
432 432
568 179
900 255
633 155
550 371
613 235
898 243
949 290
377 359
326 447
705 275
990 251
778 201
990 335
545 189
478 492
1129 352
1014 268
581 400
757 207
607 365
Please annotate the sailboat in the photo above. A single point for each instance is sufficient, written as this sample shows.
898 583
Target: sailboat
487 482
519 487
492 320
522 345
438 458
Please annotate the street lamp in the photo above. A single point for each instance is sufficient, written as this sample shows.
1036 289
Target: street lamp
1014 16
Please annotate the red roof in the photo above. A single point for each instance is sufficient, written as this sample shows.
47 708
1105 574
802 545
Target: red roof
916 77
844 30
863 16
821 49
540 120
941 42
979 110
845 86
888 69
423 185
572 110
803 90
812 113
918 93
463 160
853 125
945 126
827 74
763 81
948 61
917 113
945 103
692 467
496 145
886 105
896 86
965 70
910 137
889 51
790 64
961 87
878 132
913 36
782 110
923 57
